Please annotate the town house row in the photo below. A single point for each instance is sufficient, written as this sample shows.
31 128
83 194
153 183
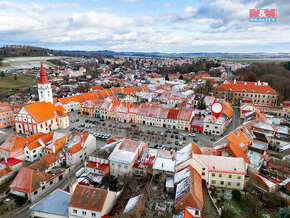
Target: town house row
144 113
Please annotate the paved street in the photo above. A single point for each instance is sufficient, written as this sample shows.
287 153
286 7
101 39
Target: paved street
119 129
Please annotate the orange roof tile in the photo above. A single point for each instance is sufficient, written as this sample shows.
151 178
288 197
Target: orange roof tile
239 86
50 158
74 98
75 148
33 145
13 143
41 111
5 171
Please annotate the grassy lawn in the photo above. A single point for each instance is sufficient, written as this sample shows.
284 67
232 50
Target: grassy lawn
8 82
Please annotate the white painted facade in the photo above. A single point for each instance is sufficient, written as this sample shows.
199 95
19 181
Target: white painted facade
45 92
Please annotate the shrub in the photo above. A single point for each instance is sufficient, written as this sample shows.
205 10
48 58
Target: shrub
236 195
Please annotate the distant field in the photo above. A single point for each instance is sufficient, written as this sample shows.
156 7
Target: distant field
259 60
26 62
9 82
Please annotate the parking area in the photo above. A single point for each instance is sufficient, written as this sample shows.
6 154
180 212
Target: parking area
156 137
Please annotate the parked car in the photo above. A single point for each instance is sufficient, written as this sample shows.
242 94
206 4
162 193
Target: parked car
133 125
192 134
102 120
155 146
176 142
172 136
176 136
169 147
195 140
213 139
168 131
175 132
180 143
87 121
175 148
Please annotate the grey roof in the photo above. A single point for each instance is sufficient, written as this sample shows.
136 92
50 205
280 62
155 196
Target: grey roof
55 203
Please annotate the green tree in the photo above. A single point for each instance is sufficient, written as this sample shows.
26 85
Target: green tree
285 212
201 104
2 74
236 195
15 77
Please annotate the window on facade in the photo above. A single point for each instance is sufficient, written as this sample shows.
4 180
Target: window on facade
51 182
220 175
35 193
75 211
119 165
27 157
213 174
230 176
126 167
84 212
222 182
203 168
34 156
238 184
43 187
229 183
203 173
239 177
34 151
93 214
212 181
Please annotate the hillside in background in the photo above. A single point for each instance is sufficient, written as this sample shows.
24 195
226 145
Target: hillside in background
276 74
25 51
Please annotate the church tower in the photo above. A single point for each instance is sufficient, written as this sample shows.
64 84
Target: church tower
44 87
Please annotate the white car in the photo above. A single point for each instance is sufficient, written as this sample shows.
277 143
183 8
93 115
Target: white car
192 134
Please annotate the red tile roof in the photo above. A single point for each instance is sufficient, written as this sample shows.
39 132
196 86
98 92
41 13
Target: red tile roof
89 198
28 180
239 86
11 161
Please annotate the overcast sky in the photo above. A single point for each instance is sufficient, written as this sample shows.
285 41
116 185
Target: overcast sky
145 25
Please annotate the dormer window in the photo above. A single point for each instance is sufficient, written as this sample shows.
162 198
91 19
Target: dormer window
252 90
243 90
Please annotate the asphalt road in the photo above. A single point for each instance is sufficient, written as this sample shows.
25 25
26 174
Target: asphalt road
119 130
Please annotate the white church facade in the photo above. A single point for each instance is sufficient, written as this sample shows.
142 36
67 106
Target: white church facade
42 116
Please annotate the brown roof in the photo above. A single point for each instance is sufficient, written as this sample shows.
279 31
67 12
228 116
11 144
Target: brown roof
89 198
189 192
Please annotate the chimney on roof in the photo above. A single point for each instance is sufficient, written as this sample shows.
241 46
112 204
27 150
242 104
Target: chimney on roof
5 159
259 83
245 83
235 81
162 165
